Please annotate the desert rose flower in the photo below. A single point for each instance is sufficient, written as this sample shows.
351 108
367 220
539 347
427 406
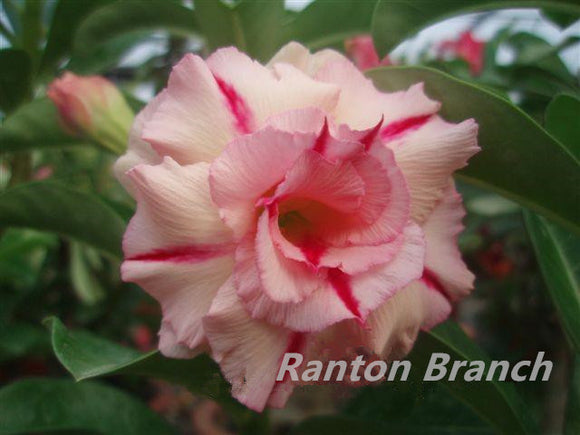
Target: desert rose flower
92 107
467 48
361 50
282 206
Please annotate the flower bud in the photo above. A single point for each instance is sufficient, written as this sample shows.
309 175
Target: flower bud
361 50
92 107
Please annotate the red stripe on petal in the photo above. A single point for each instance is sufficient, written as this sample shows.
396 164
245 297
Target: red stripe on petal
403 126
341 283
313 251
322 139
236 105
431 281
369 138
183 254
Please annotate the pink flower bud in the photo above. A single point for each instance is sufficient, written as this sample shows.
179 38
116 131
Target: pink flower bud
362 51
467 48
92 107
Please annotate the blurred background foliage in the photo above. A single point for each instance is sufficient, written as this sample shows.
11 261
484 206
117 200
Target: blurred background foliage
62 215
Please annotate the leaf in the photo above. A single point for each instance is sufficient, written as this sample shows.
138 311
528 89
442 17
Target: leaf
67 16
86 356
519 159
15 77
120 18
558 254
495 401
43 404
48 206
325 23
85 284
253 26
562 122
396 20
34 125
572 425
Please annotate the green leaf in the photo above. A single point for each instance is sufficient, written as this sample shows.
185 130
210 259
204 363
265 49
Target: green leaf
34 125
86 356
67 16
558 254
42 404
15 77
518 160
253 26
496 402
572 425
85 284
327 23
562 122
120 18
47 206
396 20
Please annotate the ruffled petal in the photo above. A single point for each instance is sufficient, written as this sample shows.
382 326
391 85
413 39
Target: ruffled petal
193 122
248 351
300 57
185 291
361 105
248 168
138 152
429 156
443 257
268 91
174 209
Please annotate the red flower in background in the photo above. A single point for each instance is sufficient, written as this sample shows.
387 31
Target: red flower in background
362 52
467 48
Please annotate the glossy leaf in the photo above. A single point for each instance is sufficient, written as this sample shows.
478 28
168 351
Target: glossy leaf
87 356
67 16
558 254
41 405
496 402
47 206
34 125
519 159
396 20
123 17
562 121
253 26
327 23
15 77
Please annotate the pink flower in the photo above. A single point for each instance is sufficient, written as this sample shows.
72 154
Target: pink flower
467 48
362 51
281 206
92 107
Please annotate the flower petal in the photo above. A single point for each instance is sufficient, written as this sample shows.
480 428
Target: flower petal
193 122
442 255
185 291
428 157
269 91
249 167
248 351
174 209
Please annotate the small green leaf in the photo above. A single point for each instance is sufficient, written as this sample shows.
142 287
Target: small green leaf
518 160
86 356
396 20
15 77
328 23
85 284
34 125
67 16
120 18
558 254
253 26
562 121
47 206
42 404
495 401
